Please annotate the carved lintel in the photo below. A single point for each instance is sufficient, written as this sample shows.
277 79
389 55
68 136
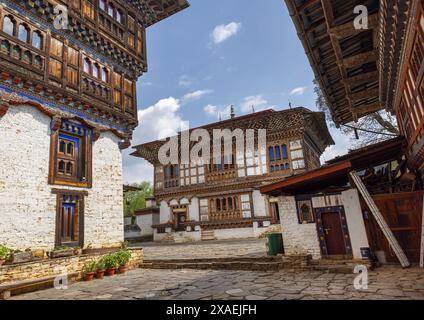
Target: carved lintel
124 144
55 123
4 107
96 135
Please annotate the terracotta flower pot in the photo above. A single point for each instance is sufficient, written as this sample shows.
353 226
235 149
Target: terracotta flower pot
2 261
110 272
122 270
89 276
100 274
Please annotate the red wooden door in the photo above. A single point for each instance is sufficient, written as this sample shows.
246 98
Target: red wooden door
333 233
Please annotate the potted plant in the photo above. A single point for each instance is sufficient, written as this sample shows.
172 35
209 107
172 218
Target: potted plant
5 253
110 264
89 269
123 257
101 268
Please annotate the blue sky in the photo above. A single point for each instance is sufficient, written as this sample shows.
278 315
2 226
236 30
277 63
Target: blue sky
214 54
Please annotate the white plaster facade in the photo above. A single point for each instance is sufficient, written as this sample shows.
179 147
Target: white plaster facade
193 213
27 205
303 238
297 238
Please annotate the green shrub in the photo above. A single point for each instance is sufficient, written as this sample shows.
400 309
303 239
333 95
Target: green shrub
5 253
123 257
111 261
101 265
90 267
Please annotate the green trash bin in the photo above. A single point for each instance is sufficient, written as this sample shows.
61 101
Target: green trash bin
274 244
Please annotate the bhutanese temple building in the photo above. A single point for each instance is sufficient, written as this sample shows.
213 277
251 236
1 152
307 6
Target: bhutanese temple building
67 109
221 199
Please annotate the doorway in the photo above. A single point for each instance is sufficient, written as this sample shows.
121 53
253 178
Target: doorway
180 218
333 232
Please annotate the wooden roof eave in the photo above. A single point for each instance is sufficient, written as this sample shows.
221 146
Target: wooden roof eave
320 174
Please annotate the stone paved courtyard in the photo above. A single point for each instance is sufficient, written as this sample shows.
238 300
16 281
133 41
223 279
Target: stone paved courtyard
385 283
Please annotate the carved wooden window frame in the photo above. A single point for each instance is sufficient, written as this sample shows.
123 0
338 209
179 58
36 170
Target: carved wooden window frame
84 167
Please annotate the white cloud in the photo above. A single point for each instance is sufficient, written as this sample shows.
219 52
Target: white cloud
195 95
218 112
224 32
158 121
343 143
258 102
298 91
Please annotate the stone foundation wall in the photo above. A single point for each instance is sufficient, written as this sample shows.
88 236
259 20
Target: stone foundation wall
27 205
54 267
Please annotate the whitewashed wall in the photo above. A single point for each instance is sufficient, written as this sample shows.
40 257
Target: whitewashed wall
298 238
355 222
145 222
165 212
259 204
193 210
27 206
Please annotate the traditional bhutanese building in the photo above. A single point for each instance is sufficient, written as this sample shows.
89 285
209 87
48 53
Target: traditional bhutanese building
67 110
371 200
223 201
361 71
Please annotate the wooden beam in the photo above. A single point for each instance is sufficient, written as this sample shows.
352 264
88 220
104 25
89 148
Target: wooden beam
3 109
366 109
348 29
359 59
365 94
362 78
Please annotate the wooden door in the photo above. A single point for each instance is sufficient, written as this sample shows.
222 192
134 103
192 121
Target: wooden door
180 221
333 233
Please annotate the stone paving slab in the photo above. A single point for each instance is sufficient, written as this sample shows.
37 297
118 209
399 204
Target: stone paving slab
141 284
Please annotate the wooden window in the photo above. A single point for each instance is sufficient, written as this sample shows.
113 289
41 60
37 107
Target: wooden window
140 43
117 80
172 173
131 41
96 71
111 10
72 56
56 47
75 4
271 154
23 33
16 52
131 24
305 212
38 62
117 97
102 4
5 47
72 76
55 68
105 75
128 87
9 25
119 16
87 65
69 218
27 57
88 10
70 158
37 40
284 151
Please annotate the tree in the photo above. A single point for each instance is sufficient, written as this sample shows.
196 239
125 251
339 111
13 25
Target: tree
373 128
136 200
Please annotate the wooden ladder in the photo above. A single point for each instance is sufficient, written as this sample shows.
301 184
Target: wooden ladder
394 244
